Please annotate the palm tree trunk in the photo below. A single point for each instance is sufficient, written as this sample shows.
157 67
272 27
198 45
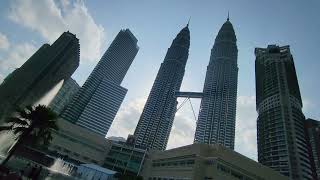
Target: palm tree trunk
17 145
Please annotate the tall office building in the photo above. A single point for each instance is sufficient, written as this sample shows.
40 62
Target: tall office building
69 88
40 73
280 124
216 120
98 100
156 120
312 130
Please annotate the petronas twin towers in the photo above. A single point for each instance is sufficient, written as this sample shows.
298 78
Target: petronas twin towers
155 123
216 121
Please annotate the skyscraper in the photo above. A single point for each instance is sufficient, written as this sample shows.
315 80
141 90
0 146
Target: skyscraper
280 124
40 73
216 120
69 88
98 100
312 130
156 120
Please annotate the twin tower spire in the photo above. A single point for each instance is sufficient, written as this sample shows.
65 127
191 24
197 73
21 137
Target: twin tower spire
216 121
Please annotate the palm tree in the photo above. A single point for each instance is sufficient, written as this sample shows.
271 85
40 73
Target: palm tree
30 125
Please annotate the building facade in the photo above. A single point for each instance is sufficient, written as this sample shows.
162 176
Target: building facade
125 158
312 130
80 145
203 162
40 73
156 120
69 88
98 100
77 144
217 115
280 124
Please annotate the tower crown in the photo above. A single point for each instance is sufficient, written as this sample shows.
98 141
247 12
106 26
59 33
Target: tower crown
183 37
226 33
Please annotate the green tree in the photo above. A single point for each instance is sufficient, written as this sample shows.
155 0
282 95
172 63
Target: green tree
32 126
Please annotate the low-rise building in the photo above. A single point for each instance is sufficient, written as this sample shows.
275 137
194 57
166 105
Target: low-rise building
194 162
125 157
204 162
76 143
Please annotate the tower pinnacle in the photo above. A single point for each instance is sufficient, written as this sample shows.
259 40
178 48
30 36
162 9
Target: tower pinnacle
228 16
188 21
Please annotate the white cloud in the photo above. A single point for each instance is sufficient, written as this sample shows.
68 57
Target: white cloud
182 131
307 104
51 18
4 43
246 129
127 118
15 58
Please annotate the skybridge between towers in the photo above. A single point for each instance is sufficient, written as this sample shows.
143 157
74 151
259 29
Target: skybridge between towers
187 96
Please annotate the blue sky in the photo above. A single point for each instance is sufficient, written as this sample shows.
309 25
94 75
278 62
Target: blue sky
27 24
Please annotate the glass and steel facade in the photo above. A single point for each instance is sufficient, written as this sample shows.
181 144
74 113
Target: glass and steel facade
216 120
69 88
98 100
124 158
102 107
280 124
312 130
156 120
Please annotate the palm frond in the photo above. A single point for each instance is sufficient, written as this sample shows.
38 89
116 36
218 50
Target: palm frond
42 136
6 128
17 121
19 129
51 124
46 137
29 108
24 112
54 126
44 117
34 124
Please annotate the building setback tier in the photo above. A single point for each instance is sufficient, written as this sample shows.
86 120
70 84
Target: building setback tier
102 108
94 107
